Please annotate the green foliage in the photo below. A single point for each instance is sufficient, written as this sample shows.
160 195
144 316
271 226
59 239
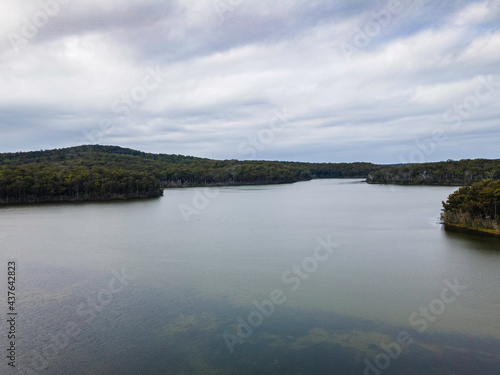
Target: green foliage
111 172
76 174
463 172
474 206
30 183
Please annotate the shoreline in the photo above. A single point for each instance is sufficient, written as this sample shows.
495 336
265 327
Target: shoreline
172 186
492 233
414 184
76 201
216 184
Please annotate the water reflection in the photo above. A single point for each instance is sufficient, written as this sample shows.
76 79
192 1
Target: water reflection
180 335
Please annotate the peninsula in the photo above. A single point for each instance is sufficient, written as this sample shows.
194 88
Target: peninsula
96 173
474 209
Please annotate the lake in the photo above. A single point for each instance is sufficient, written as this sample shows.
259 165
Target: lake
319 277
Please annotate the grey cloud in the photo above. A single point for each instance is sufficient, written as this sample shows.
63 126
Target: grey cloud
227 76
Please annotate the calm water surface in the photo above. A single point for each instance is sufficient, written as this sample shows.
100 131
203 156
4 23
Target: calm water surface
133 288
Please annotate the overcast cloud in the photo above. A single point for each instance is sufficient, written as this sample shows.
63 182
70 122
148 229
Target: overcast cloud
331 81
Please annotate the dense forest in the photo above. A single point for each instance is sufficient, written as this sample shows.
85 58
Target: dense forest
111 172
476 206
457 173
31 183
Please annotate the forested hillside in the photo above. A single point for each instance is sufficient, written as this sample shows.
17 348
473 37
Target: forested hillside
458 173
110 172
476 206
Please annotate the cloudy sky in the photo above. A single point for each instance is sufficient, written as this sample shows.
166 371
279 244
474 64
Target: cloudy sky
313 80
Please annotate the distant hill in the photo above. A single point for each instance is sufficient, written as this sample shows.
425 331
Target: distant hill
95 172
457 173
110 172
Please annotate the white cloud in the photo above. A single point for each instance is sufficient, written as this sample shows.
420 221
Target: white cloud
478 13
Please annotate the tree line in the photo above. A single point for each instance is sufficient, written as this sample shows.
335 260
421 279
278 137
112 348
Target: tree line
97 172
111 172
455 173
476 206
31 183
